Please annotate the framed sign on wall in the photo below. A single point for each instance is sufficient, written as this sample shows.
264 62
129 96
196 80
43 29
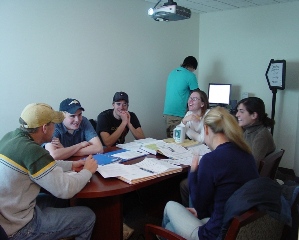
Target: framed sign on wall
276 73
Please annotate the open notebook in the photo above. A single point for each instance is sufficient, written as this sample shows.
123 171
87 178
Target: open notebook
148 168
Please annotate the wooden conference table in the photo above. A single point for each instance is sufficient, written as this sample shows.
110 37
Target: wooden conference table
104 197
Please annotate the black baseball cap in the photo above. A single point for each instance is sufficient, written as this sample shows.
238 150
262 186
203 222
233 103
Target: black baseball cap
121 96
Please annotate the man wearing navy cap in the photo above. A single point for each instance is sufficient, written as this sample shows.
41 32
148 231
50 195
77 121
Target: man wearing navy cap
114 124
75 136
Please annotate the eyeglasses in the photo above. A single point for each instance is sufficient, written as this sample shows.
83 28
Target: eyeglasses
193 98
122 104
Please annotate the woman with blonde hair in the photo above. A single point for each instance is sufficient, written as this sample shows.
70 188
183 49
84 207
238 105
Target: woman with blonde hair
214 179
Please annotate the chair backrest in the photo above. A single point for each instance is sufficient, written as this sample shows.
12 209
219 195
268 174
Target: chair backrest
269 165
93 123
254 224
151 231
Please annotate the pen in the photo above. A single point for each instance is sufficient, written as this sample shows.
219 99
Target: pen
147 170
116 159
171 149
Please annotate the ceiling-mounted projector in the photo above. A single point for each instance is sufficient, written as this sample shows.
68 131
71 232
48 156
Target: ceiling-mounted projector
170 11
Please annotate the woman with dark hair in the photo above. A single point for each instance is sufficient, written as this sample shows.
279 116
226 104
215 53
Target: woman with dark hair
198 105
254 120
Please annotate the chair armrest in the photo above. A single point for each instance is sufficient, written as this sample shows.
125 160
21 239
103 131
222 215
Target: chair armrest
152 230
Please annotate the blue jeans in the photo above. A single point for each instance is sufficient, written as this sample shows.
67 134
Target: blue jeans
52 220
179 220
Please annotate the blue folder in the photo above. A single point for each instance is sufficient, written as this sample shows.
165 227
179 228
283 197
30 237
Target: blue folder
106 158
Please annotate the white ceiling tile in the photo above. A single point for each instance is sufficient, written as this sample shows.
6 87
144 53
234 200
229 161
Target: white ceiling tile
205 6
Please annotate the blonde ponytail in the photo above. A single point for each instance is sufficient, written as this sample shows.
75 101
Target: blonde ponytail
221 121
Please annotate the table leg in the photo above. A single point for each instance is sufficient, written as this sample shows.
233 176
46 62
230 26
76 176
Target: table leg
109 216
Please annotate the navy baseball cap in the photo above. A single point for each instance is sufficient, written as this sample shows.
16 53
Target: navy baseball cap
70 105
121 96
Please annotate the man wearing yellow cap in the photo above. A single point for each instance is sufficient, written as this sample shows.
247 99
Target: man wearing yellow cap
25 167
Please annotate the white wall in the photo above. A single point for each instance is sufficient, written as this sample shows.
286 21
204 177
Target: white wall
51 50
236 47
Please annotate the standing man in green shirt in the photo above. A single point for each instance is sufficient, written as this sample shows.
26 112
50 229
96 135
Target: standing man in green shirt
181 81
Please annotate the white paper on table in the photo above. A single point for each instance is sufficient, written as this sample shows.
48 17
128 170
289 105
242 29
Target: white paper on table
175 151
134 172
138 144
127 171
201 149
127 155
111 170
155 166
129 146
145 141
153 146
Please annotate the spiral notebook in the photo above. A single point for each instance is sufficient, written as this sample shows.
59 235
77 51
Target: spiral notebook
147 169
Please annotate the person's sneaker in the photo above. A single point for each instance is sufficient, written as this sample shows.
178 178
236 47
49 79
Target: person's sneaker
127 231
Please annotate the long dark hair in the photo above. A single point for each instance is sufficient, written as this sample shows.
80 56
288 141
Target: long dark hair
255 104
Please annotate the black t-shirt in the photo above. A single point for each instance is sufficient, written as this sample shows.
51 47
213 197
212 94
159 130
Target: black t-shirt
106 122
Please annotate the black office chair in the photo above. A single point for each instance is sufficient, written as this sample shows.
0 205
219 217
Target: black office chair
93 123
269 165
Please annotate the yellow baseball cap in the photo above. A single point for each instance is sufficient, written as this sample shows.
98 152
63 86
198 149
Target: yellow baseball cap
38 114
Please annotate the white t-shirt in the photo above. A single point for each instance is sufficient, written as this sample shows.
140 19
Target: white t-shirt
194 129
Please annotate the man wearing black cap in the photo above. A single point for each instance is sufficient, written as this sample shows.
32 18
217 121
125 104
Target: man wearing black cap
75 136
114 124
181 81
